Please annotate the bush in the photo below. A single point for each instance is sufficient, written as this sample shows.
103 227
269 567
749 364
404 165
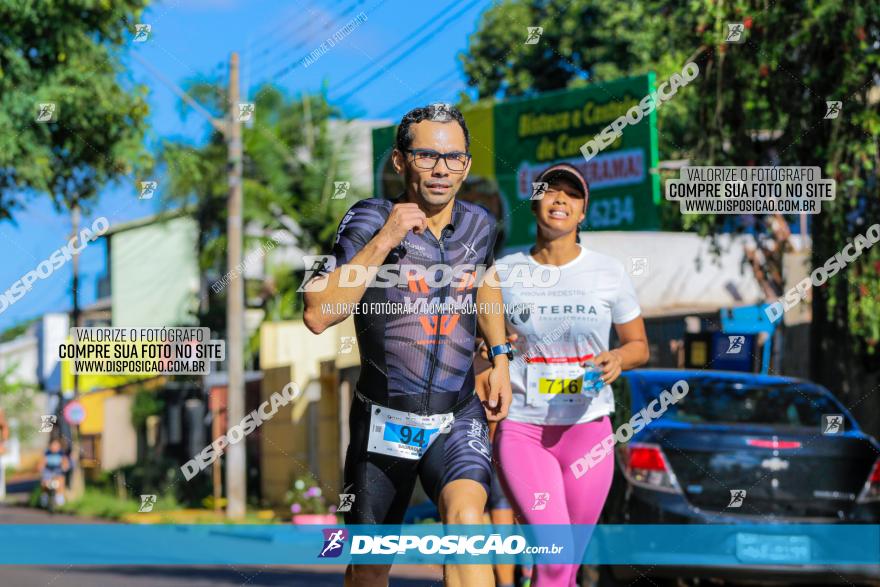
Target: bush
101 505
208 502
34 497
145 404
148 476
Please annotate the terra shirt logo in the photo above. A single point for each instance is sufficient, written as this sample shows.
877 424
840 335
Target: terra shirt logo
334 541
519 315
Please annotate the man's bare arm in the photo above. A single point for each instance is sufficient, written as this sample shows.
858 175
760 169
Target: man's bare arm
490 319
326 302
324 292
490 315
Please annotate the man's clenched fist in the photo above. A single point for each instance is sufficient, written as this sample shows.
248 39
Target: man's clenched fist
403 218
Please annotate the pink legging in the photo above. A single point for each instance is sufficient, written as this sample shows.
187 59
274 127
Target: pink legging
535 458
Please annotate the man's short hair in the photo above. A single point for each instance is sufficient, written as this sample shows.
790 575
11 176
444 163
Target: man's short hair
435 112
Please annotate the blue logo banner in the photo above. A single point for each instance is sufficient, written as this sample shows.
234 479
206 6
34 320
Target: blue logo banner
711 545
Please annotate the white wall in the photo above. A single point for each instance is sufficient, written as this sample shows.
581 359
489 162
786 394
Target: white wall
682 275
20 444
22 355
52 332
154 274
358 155
119 446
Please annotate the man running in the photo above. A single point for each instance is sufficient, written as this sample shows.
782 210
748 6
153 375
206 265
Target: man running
415 413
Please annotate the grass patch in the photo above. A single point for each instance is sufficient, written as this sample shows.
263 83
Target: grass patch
98 504
191 516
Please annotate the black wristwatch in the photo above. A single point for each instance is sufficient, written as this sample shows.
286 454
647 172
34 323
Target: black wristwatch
500 349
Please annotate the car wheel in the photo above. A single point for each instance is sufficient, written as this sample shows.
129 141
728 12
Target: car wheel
604 577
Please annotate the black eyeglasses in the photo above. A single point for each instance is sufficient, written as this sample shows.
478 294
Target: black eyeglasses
427 159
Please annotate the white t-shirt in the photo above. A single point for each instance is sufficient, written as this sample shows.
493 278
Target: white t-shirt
560 326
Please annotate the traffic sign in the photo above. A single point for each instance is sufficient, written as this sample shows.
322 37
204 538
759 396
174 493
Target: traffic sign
74 413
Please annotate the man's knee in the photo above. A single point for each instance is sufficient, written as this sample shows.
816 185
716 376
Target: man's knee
463 512
463 502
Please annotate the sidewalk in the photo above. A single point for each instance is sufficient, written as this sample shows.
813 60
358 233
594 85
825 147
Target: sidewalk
12 514
193 516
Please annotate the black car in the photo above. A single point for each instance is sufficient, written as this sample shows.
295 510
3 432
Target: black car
742 449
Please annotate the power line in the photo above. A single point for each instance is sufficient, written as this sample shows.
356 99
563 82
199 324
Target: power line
296 63
434 87
393 48
282 50
407 52
284 24
328 24
431 86
219 124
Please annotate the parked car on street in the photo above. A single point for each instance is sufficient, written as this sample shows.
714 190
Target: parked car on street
737 449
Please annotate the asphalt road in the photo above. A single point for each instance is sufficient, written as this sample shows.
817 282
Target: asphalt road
178 576
76 576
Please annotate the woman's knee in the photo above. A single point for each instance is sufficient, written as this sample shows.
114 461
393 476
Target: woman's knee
369 574
555 574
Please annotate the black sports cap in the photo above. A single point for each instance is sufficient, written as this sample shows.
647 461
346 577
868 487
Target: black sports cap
566 172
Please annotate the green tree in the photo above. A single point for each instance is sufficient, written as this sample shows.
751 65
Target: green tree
66 53
764 102
795 59
581 39
69 123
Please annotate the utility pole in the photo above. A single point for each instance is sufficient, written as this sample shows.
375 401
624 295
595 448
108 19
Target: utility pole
236 470
230 127
77 480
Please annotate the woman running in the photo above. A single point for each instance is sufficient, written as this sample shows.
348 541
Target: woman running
561 333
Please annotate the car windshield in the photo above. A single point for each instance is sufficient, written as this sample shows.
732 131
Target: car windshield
733 402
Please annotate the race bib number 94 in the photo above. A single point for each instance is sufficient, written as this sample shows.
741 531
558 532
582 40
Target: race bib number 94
404 435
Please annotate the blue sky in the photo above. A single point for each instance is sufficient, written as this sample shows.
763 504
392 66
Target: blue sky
193 39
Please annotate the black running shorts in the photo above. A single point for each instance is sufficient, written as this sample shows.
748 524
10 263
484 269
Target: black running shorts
383 484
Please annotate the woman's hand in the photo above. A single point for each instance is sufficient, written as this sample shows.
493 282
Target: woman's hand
610 363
